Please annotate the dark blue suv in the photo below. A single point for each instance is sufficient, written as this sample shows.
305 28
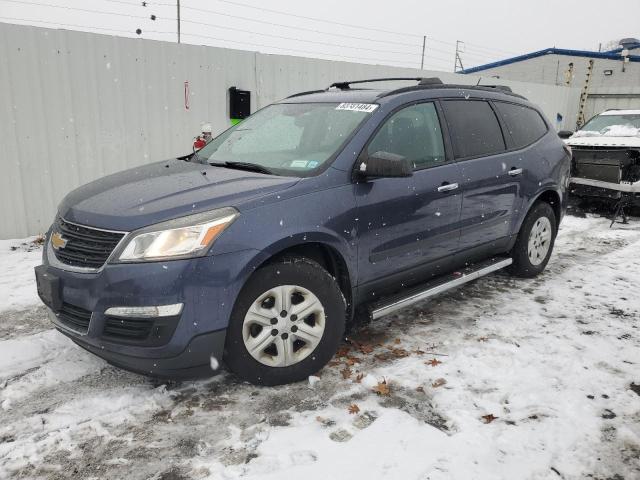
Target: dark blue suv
325 207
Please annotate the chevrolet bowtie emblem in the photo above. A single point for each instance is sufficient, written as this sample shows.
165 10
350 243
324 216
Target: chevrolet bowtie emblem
58 241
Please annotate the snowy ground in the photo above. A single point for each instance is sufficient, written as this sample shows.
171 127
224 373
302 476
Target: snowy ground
502 379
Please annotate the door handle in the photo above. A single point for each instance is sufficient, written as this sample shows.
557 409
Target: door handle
447 187
515 171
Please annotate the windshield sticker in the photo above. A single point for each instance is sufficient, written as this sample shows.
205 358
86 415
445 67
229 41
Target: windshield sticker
357 107
312 164
299 164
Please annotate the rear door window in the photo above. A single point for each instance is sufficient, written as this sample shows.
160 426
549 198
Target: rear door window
473 127
524 124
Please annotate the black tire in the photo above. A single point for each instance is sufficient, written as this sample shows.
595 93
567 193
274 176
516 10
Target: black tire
522 265
298 271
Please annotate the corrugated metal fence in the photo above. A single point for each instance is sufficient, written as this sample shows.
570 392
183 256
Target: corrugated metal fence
75 106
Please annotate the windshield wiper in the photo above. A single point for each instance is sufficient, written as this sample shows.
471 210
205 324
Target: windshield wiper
252 167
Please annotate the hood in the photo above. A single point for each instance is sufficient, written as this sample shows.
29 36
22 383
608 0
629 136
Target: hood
603 141
153 193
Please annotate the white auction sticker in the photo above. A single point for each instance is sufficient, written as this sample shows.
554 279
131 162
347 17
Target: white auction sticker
358 107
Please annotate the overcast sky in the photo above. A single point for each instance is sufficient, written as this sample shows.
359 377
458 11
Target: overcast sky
490 29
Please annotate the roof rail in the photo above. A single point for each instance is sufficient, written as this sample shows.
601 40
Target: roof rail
420 80
486 88
504 88
309 92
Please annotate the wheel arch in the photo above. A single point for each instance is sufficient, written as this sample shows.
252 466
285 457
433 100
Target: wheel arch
553 198
323 249
548 195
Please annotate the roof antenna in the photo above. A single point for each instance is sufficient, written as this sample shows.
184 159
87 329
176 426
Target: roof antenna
479 80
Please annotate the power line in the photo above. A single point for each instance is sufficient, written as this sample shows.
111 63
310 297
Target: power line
79 26
297 39
295 49
279 12
475 46
315 19
78 9
481 55
274 24
123 2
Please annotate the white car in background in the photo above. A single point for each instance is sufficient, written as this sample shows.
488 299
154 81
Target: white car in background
606 157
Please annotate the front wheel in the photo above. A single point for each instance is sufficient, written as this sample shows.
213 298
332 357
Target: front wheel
535 242
287 323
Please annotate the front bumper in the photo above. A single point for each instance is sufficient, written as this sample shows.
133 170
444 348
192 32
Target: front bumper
193 362
176 347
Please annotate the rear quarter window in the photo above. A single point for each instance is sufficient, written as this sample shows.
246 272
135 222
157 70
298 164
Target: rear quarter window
524 124
473 127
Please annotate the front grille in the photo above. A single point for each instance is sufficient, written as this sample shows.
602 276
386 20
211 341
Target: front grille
74 317
127 328
85 246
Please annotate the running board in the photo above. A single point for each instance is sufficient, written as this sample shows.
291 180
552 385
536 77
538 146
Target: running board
422 292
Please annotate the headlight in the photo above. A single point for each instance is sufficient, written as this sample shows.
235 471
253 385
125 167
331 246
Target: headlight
184 237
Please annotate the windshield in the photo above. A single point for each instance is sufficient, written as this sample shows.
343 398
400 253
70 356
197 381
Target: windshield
288 139
627 125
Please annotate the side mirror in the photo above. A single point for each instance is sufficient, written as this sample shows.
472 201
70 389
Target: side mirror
564 134
384 164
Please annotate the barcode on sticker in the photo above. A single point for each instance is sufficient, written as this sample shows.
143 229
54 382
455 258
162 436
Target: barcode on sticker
358 107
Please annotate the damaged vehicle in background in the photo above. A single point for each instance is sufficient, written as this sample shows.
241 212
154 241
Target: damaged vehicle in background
606 158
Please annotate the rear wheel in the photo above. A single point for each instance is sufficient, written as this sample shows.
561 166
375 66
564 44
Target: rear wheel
535 241
287 323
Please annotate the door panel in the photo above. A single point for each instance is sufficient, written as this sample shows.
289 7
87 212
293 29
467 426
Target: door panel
407 225
490 197
407 228
490 192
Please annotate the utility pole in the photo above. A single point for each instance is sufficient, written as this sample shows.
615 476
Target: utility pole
178 6
458 60
424 43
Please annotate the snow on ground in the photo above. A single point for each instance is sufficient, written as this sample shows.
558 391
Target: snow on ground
502 379
17 281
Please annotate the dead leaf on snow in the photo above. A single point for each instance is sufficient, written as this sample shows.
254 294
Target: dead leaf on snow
488 418
483 339
346 372
352 360
419 352
399 352
434 362
383 357
420 389
353 409
382 388
359 377
439 382
365 348
342 352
